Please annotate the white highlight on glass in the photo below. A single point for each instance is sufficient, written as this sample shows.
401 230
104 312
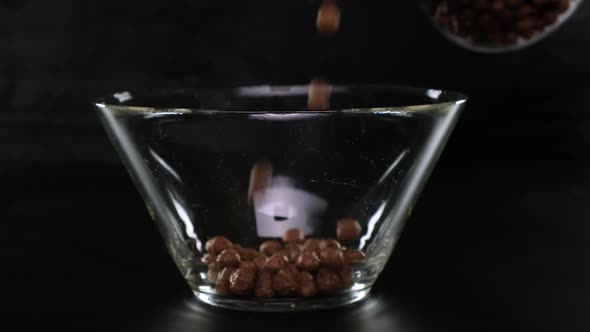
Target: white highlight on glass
184 217
434 94
165 165
393 166
371 225
123 96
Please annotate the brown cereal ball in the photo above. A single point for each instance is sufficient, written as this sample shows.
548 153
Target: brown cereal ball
318 95
270 247
348 230
525 25
308 261
293 268
293 235
228 258
345 275
284 283
276 262
329 243
264 285
246 254
243 280
332 257
353 256
248 265
307 286
312 245
216 245
222 282
260 177
563 5
292 250
260 261
550 17
213 272
208 259
328 281
328 19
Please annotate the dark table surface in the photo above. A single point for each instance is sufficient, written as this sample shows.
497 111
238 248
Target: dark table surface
499 240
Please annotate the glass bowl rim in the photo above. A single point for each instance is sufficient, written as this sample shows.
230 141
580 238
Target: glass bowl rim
115 101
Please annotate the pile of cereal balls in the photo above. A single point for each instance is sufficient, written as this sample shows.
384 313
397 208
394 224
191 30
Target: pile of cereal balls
293 267
499 22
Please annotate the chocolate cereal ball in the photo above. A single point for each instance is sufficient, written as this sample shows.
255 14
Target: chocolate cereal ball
307 286
332 258
248 265
284 283
228 258
243 280
318 95
348 230
260 261
260 177
270 247
208 259
353 256
264 285
312 245
308 261
292 250
328 281
345 275
293 235
213 272
246 254
222 282
329 243
276 262
216 245
328 19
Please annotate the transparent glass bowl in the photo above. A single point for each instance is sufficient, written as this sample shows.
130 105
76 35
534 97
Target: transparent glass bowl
496 26
192 154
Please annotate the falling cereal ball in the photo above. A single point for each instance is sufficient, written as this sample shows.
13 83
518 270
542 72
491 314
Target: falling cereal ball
348 230
318 95
328 19
260 177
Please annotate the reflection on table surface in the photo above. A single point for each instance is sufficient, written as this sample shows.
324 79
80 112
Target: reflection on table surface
374 314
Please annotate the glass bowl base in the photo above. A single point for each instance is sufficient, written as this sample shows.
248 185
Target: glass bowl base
283 305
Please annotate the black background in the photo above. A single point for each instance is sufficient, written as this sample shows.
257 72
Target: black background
500 239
